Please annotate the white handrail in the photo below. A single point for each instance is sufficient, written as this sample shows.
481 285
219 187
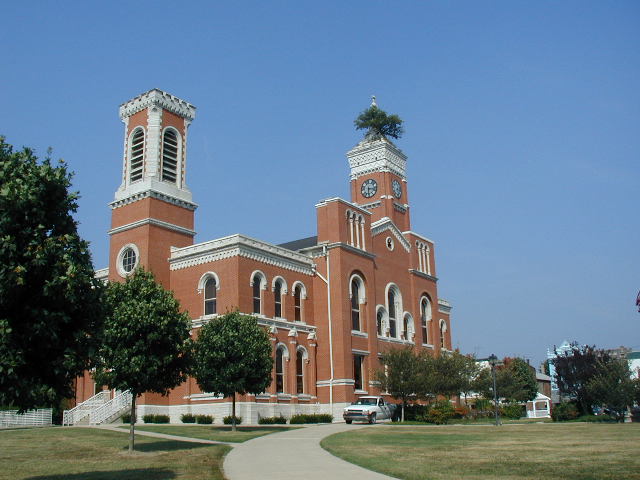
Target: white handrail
77 413
113 406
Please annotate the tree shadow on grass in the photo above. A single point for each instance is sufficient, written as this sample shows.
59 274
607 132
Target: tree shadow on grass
131 474
167 446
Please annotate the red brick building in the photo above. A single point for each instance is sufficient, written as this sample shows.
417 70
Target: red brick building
332 303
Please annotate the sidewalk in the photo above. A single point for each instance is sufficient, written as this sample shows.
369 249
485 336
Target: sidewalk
293 454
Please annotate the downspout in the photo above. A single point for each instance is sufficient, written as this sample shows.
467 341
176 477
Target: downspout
327 280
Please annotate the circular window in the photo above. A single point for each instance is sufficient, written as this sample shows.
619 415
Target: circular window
128 259
389 242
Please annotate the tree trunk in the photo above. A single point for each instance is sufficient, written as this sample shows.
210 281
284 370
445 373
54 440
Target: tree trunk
233 413
133 424
402 412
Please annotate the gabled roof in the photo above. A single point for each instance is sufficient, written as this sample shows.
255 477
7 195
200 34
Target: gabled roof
301 243
385 224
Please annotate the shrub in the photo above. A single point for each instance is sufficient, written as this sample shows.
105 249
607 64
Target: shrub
511 410
461 412
148 418
204 419
564 411
412 412
188 418
228 420
439 413
272 420
597 418
311 418
126 418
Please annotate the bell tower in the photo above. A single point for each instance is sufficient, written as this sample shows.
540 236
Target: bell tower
378 179
153 208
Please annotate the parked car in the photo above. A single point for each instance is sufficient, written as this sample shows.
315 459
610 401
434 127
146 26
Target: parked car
368 409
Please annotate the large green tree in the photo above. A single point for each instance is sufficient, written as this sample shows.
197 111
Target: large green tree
453 374
574 368
146 346
379 123
402 374
233 356
612 386
49 299
515 381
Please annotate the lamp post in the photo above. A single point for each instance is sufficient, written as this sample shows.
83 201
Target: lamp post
493 361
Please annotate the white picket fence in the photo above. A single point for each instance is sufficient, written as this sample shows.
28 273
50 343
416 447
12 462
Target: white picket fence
31 418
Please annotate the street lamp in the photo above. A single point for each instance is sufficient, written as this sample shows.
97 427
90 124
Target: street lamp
493 361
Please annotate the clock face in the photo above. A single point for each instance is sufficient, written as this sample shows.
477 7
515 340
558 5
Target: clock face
397 188
369 188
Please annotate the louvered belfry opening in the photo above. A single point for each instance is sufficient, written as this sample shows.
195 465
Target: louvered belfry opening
169 156
137 155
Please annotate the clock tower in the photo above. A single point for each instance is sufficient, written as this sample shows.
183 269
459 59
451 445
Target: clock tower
153 209
378 180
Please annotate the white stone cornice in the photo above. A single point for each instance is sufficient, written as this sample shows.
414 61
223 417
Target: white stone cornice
152 221
379 155
386 223
153 194
354 206
102 275
161 99
350 248
243 246
423 275
421 237
444 306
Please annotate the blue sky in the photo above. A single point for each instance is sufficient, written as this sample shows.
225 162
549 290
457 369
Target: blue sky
522 128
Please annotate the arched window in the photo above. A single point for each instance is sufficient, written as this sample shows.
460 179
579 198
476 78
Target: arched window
277 297
169 156
280 370
443 329
355 305
258 281
379 320
405 328
299 371
210 296
391 300
136 155
297 303
425 317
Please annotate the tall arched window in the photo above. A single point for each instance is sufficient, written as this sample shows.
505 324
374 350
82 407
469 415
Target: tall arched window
210 296
443 329
355 305
425 317
297 303
277 297
169 156
136 156
405 328
280 370
392 313
257 294
379 318
299 371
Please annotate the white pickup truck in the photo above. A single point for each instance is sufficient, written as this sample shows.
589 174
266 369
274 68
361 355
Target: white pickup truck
368 409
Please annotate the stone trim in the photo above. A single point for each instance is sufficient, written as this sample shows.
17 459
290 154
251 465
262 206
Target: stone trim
242 246
155 222
421 237
153 194
444 306
161 99
386 223
336 382
418 273
379 155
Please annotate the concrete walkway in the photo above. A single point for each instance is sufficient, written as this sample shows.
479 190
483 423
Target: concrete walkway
293 454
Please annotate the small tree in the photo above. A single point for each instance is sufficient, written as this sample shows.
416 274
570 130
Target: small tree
379 123
233 355
50 305
400 375
613 387
517 380
145 344
453 374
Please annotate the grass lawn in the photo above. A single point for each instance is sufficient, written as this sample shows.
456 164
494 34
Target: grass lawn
583 451
91 454
212 432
